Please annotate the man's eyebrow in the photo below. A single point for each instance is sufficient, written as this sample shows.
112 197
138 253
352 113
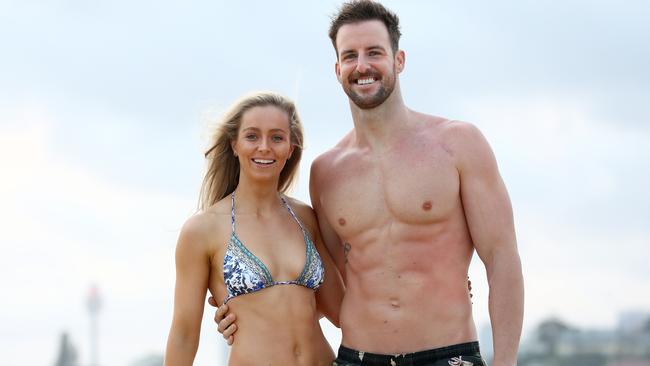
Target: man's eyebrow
376 48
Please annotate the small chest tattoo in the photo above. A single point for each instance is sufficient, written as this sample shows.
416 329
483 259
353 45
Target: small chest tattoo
346 250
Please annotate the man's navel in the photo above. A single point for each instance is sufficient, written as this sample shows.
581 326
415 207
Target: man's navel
427 205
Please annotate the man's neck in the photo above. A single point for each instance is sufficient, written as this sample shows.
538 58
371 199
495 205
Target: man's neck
376 127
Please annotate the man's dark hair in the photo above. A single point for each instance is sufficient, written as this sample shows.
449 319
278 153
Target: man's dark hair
356 11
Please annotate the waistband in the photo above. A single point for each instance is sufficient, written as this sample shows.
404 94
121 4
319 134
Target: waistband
465 349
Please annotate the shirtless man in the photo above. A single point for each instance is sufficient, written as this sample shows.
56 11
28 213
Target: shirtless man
403 200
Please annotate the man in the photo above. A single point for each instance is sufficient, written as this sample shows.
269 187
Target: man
402 201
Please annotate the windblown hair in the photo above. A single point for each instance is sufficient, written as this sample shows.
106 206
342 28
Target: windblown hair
222 176
362 10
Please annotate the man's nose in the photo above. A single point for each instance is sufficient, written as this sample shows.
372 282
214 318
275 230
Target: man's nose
362 64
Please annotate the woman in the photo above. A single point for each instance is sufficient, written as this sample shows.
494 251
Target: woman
255 248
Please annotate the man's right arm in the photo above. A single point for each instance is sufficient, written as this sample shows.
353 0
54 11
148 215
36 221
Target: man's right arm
330 238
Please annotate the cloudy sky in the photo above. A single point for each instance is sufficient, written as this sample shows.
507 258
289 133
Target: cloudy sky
105 107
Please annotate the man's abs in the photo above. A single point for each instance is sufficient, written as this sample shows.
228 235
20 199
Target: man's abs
407 288
406 314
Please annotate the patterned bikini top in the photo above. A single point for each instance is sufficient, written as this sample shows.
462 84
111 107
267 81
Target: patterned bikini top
244 273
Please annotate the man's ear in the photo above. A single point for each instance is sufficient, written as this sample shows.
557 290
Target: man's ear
337 70
400 60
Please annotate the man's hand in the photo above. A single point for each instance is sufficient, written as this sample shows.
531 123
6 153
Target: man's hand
225 322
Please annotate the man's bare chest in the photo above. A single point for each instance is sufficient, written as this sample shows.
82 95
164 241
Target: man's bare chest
366 194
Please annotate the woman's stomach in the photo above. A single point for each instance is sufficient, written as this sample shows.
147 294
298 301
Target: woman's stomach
278 326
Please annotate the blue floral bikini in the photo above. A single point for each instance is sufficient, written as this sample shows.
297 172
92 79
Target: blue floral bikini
244 273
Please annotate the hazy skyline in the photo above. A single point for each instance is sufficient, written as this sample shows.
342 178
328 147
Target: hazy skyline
105 109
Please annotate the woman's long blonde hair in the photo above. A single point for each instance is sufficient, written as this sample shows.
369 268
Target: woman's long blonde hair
222 175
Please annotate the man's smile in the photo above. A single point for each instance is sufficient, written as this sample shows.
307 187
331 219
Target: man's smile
366 80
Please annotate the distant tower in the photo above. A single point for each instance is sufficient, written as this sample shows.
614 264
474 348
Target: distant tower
67 353
94 304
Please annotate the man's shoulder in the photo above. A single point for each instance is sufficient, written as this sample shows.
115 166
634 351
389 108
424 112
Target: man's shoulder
461 139
462 135
459 129
328 158
446 127
465 142
452 132
325 159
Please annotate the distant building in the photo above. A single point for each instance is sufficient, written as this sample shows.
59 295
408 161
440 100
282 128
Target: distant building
633 321
555 342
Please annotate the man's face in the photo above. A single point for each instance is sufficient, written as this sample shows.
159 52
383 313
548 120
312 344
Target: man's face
366 66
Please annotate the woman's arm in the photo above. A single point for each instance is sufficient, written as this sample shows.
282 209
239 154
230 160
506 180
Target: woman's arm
192 274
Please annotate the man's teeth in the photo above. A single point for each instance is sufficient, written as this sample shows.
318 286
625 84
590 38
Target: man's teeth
263 161
365 81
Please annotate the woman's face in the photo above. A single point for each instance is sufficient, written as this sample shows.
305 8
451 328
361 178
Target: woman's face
263 143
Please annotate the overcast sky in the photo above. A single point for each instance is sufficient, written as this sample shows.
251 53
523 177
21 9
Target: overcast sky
105 107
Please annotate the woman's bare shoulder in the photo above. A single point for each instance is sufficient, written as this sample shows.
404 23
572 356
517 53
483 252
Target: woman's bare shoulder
207 227
304 212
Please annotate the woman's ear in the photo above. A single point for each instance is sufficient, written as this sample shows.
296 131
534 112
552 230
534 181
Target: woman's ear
232 146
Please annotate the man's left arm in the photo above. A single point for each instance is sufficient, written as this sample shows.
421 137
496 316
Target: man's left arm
489 217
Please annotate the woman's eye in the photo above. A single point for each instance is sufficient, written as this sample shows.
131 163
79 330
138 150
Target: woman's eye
251 137
278 138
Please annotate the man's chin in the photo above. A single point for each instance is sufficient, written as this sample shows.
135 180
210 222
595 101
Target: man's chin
366 106
368 102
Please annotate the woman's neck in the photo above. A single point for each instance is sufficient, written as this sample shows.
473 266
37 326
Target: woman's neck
258 198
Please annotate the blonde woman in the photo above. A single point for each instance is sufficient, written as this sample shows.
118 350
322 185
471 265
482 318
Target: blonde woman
255 248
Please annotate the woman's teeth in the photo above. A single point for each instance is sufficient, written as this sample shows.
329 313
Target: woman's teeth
263 161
